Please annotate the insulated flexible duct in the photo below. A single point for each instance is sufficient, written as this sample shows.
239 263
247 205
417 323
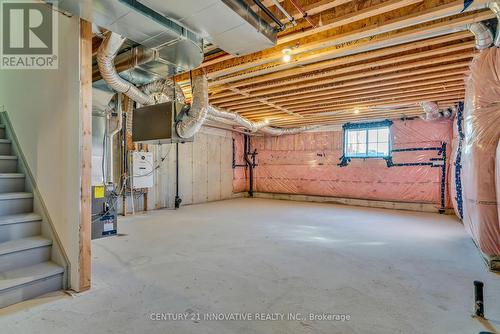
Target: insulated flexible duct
106 63
272 131
237 119
161 91
199 109
484 36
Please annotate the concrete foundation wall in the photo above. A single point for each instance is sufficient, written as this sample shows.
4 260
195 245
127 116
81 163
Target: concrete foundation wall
43 106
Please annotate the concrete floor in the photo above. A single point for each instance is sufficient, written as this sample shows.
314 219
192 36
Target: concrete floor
390 271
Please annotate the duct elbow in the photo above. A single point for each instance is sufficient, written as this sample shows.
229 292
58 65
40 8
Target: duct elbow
106 63
483 35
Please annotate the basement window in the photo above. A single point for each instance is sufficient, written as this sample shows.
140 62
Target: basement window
367 140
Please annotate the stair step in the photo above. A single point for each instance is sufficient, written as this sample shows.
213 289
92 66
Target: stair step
8 164
19 245
5 147
12 175
19 226
16 195
12 182
24 252
16 202
19 218
29 282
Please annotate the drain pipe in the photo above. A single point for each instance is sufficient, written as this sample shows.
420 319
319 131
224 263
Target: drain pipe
249 164
495 8
483 35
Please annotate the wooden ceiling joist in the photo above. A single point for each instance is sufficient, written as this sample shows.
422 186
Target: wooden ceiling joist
382 79
393 52
309 82
359 60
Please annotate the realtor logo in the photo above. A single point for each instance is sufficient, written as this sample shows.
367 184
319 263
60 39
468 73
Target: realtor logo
28 35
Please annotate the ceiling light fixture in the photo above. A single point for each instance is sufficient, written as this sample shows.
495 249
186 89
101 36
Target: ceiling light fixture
287 55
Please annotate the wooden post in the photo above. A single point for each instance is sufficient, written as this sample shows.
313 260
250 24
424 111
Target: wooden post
85 266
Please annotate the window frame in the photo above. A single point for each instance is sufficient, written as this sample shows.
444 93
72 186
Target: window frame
367 126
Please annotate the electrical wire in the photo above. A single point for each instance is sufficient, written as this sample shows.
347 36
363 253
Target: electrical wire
115 196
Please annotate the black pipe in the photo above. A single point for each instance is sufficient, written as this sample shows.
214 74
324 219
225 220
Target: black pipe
479 302
178 200
270 14
249 164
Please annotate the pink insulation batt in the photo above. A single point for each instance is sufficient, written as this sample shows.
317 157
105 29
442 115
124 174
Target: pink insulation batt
482 132
307 164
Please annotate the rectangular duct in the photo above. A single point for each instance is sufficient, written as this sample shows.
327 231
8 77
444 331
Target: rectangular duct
176 48
229 24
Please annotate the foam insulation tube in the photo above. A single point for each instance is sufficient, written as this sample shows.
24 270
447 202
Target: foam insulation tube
483 35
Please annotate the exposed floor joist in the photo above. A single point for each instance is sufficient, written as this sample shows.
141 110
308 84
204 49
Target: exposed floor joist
361 55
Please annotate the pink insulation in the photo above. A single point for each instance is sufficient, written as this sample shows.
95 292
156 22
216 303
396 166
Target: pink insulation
497 177
482 132
307 163
239 173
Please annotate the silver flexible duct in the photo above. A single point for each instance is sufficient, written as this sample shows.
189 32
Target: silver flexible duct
495 8
106 63
237 119
199 109
269 130
162 91
226 117
484 36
